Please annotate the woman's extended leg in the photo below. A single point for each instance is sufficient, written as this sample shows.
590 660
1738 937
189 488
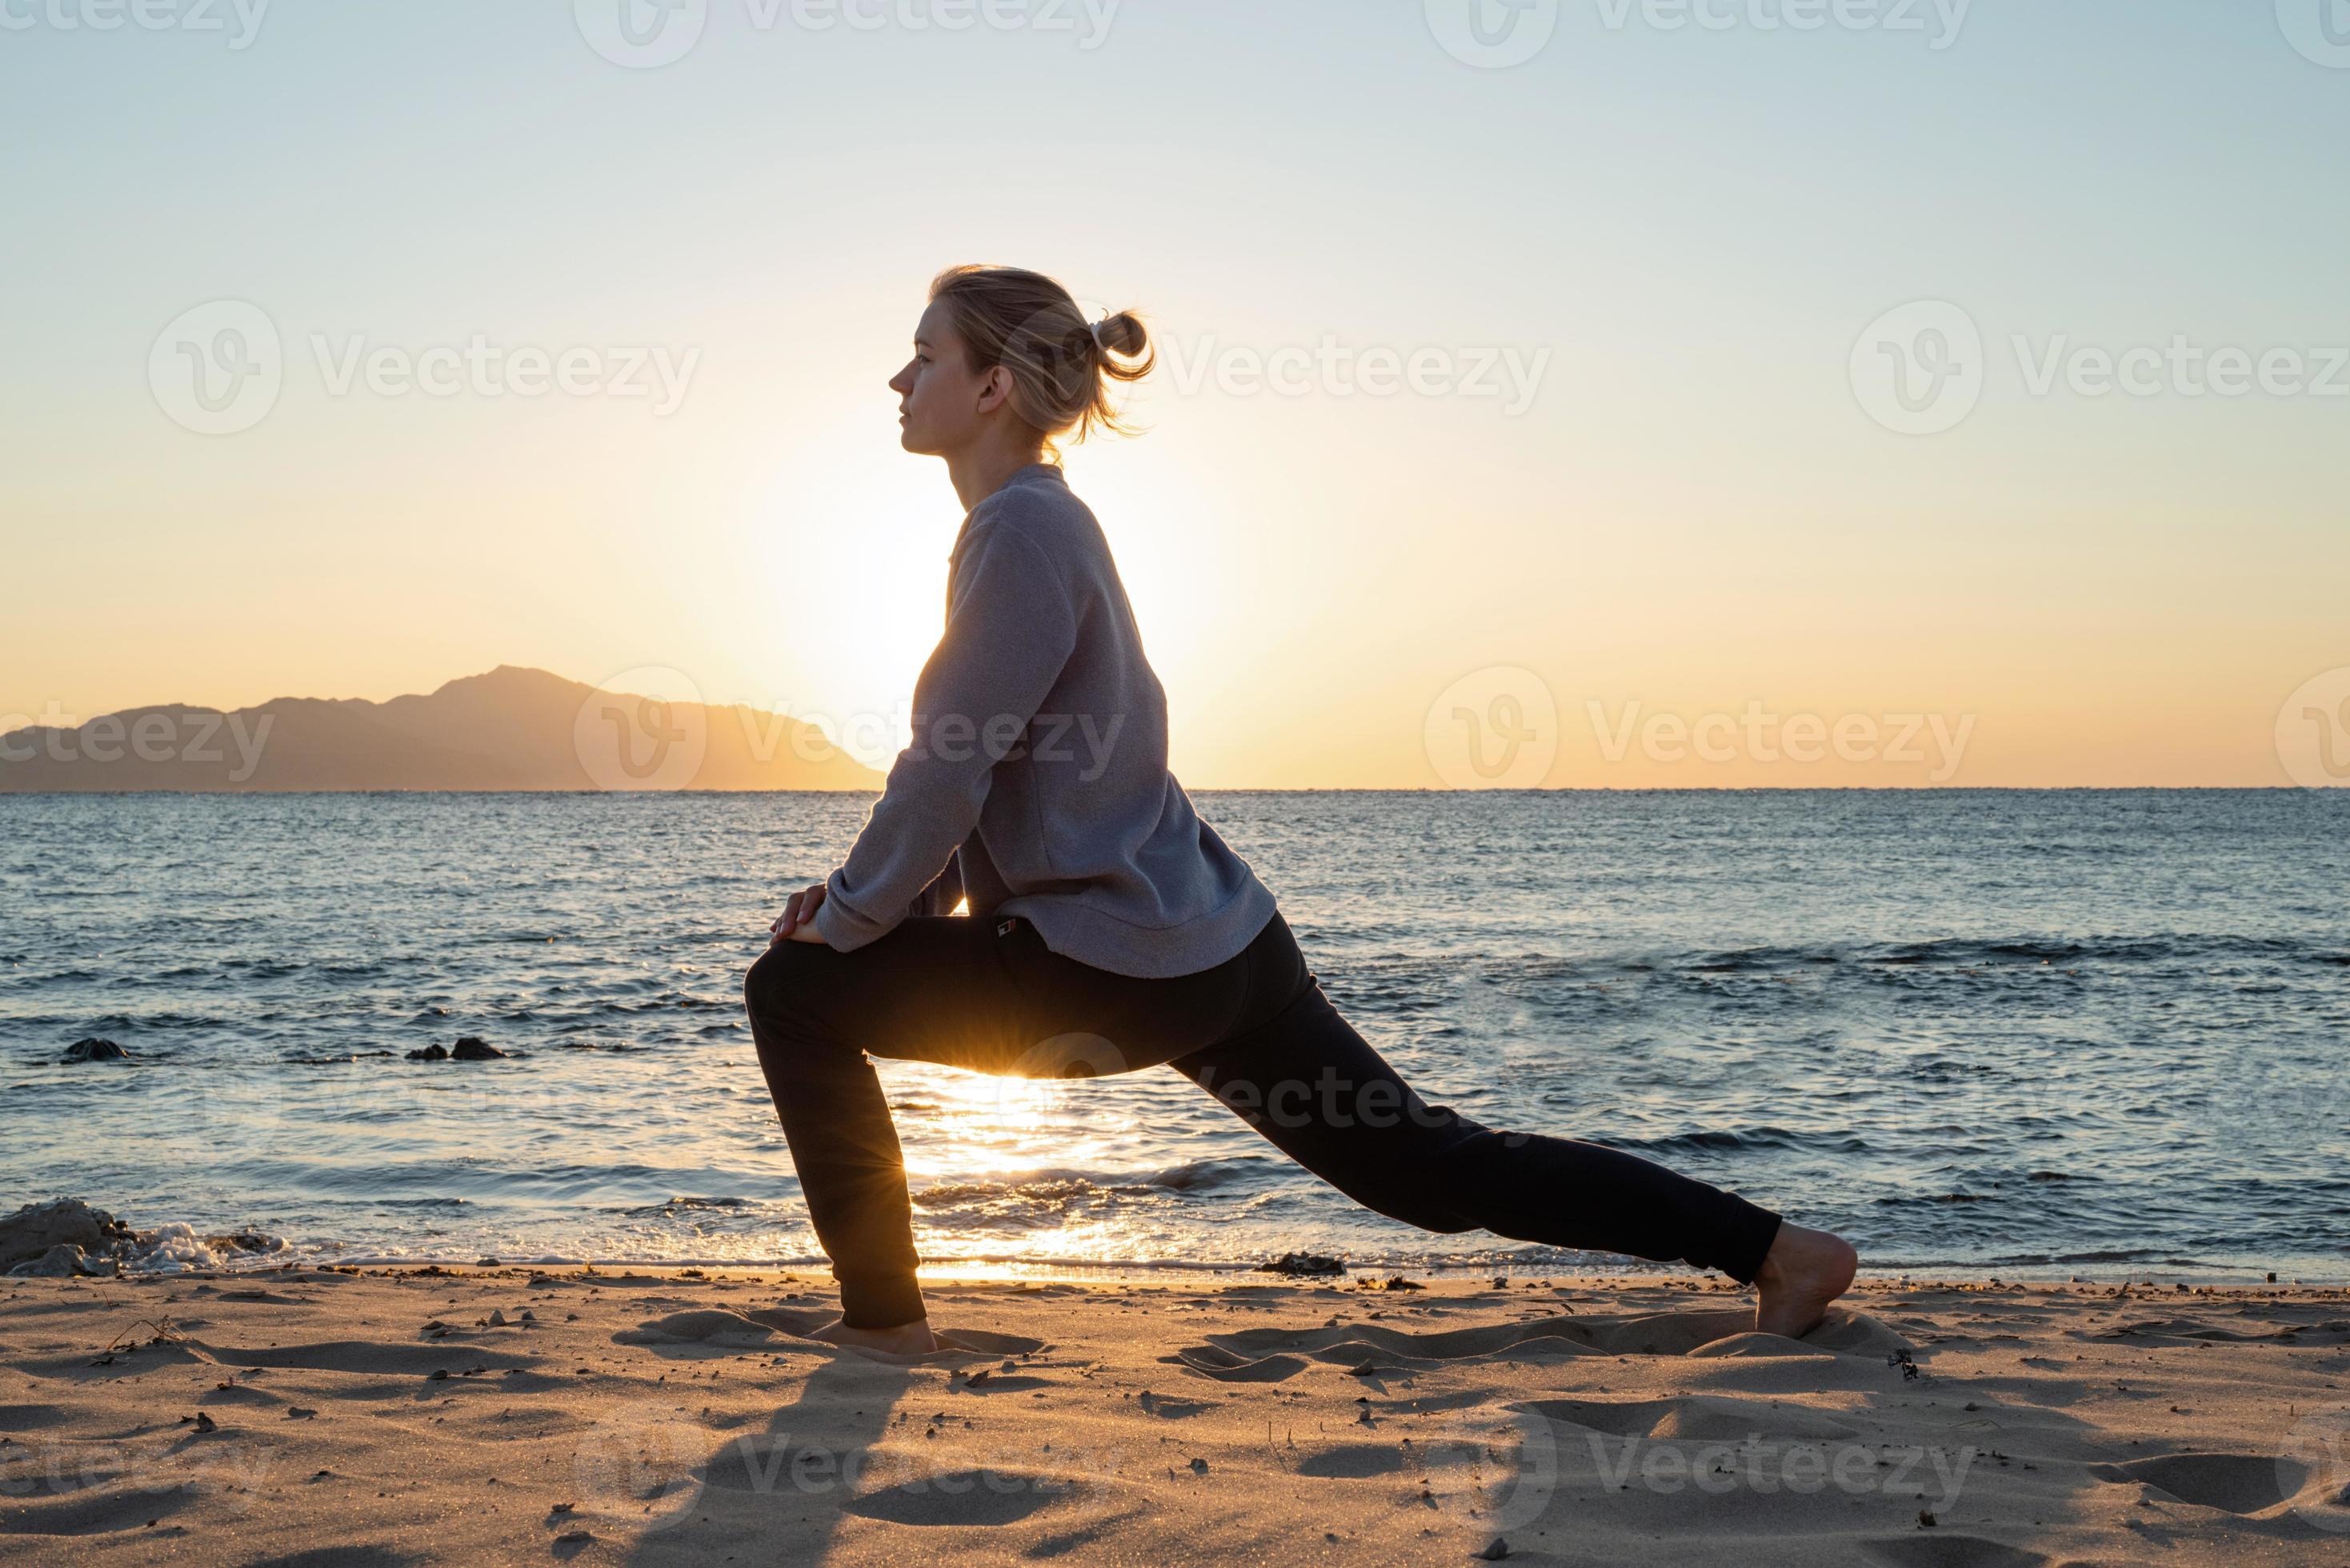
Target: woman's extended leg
1258 1032
1310 1084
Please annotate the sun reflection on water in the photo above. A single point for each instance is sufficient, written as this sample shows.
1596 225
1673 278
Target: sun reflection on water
1004 1174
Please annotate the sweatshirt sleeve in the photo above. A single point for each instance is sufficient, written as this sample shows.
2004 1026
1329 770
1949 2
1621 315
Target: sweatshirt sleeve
1011 628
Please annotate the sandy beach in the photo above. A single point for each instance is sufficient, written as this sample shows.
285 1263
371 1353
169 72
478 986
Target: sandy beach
503 1414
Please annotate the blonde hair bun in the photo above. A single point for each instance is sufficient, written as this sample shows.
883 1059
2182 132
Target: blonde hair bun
1122 335
1063 369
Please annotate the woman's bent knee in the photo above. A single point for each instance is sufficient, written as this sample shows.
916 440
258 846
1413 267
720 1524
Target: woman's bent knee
781 972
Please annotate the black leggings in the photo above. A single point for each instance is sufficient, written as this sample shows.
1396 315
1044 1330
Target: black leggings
1256 1032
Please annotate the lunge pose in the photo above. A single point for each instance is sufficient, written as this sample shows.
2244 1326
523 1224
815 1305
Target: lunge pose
1110 929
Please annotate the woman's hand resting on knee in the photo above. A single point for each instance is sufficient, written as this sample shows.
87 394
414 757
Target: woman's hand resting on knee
797 923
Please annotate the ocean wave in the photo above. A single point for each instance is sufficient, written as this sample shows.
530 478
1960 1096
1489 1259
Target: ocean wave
178 1249
2179 946
676 1206
1204 1175
1748 961
1744 1140
1904 1200
1964 952
1066 1187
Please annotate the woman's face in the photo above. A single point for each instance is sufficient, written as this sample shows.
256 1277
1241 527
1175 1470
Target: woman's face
941 401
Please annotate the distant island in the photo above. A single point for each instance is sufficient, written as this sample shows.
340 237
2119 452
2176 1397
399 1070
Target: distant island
512 729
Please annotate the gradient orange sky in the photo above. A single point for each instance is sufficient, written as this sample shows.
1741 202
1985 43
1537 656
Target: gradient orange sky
1695 514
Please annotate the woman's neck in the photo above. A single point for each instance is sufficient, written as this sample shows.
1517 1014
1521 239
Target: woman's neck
979 474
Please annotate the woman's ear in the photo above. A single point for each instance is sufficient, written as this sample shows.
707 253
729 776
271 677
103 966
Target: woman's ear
996 391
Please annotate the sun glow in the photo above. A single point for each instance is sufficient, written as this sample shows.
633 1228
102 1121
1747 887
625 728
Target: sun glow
859 569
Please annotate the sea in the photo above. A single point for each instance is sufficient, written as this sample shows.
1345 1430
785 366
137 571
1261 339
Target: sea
1982 1034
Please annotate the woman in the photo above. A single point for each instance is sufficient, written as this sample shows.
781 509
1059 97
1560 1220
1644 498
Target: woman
1110 929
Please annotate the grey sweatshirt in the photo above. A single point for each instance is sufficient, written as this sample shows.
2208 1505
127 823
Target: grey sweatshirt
1037 783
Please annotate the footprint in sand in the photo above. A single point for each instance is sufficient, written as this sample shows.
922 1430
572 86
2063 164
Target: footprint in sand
2232 1483
1360 1461
715 1328
965 1499
723 1330
87 1513
1272 1355
1939 1549
885 1486
1701 1419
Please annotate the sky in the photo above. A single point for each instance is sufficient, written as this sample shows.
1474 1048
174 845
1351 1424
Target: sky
1647 395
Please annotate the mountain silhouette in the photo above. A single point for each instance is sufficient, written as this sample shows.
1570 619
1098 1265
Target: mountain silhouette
511 729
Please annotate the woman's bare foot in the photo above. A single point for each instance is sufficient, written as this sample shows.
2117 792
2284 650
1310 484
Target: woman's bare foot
907 1339
1805 1271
